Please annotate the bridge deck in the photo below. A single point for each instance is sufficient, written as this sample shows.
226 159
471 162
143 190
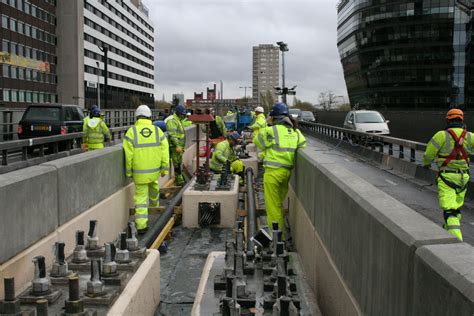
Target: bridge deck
421 197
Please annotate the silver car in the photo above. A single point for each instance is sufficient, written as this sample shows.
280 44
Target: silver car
366 121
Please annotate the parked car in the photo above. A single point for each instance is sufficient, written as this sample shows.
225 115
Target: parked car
367 121
295 113
307 116
50 119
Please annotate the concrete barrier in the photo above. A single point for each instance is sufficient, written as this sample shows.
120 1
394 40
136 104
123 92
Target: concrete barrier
444 280
86 179
367 239
28 207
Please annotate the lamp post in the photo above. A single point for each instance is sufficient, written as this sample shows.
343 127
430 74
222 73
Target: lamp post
245 94
106 75
284 91
98 84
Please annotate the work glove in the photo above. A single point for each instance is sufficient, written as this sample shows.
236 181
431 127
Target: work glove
179 150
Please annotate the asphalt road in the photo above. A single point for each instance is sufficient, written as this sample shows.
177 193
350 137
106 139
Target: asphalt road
420 197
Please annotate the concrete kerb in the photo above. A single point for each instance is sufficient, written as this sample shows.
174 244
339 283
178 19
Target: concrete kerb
387 228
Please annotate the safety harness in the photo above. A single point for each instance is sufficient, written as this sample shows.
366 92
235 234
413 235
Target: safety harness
457 153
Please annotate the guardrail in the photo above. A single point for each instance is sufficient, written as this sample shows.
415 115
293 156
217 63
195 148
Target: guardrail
383 144
23 148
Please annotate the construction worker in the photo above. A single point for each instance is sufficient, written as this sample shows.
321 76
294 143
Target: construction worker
94 131
225 152
177 141
217 127
146 157
451 148
260 120
279 143
187 122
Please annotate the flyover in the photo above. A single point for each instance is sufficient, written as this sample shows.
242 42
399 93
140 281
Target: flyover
364 224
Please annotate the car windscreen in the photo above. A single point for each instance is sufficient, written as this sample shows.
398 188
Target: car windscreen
294 111
307 114
369 117
43 114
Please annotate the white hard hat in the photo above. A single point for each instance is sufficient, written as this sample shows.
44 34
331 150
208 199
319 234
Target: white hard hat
259 109
143 110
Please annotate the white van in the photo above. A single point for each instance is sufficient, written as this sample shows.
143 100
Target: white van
367 121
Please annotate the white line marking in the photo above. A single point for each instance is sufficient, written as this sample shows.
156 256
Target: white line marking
391 182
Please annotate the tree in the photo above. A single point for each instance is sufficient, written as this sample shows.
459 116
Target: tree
162 105
267 100
327 100
302 105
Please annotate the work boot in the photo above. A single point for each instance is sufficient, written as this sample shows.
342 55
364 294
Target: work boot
179 179
142 231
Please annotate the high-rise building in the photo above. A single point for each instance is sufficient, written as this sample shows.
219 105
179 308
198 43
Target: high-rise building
28 57
123 28
407 54
265 70
53 51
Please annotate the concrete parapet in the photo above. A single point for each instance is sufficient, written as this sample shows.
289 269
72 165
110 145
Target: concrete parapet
141 296
444 280
112 214
28 204
370 237
86 179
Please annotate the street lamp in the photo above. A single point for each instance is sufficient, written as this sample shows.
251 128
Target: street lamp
283 91
98 84
106 74
245 93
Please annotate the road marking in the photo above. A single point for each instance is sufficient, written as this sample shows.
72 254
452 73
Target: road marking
472 223
391 182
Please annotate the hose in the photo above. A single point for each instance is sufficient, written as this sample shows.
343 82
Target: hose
154 231
251 216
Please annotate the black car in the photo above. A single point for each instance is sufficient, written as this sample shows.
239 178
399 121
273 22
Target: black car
50 119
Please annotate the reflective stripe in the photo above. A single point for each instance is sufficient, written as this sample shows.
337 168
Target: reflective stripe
141 215
128 170
277 164
260 139
141 206
283 149
449 227
469 148
135 137
146 170
162 137
128 139
147 145
434 143
165 168
447 142
275 134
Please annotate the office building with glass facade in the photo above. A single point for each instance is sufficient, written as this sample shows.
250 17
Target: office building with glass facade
406 54
28 70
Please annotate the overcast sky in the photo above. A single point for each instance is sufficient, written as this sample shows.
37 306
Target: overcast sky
199 42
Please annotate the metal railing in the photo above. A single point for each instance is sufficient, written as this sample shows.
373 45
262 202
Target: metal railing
392 146
23 150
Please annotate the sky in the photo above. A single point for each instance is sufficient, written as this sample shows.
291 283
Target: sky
201 42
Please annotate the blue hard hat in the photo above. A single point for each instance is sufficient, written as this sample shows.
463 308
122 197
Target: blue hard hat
161 125
180 109
92 107
95 111
279 109
234 136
